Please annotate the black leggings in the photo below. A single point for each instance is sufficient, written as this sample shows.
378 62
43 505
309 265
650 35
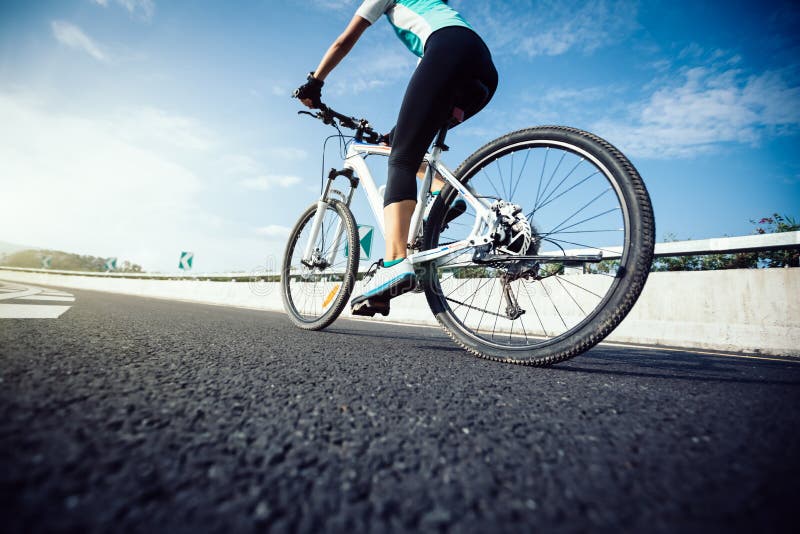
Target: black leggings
455 57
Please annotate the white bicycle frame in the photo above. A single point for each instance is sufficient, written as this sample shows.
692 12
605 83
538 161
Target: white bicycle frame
485 219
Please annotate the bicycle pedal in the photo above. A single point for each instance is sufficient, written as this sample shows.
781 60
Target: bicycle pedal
369 307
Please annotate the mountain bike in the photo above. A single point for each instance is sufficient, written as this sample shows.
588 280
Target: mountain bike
550 255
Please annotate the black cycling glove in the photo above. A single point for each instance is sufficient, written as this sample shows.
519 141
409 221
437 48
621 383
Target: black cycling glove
311 90
387 138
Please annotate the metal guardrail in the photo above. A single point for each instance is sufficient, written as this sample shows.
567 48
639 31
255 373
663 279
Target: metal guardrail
718 245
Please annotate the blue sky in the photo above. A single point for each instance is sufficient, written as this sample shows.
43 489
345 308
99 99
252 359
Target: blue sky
141 128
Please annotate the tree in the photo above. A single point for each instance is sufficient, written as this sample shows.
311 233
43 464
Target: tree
676 263
774 225
64 261
740 260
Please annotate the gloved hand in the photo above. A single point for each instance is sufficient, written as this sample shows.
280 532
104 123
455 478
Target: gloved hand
310 93
387 138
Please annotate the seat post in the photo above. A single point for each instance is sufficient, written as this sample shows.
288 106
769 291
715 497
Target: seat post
440 137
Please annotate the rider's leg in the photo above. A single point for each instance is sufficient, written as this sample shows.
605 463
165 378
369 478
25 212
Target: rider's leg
436 183
452 55
396 220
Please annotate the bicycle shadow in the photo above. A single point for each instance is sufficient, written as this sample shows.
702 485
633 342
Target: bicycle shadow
618 360
677 365
388 335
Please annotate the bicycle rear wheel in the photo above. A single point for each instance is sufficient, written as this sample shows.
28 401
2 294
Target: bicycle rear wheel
578 196
315 290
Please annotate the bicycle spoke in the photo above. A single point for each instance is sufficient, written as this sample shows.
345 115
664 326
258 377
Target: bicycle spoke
582 245
521 172
536 312
569 295
511 177
521 321
314 291
576 204
488 300
564 179
492 184
585 220
555 230
552 302
553 199
552 175
472 302
500 172
580 287
606 231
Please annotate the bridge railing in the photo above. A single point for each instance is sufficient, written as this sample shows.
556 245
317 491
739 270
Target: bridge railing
699 247
717 245
745 310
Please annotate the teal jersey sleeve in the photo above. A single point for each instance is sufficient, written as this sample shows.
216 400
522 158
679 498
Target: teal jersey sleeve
413 20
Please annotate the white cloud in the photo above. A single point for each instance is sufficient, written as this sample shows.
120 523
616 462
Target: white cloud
281 90
267 182
708 107
551 28
74 183
239 164
564 105
155 126
370 69
73 37
92 184
274 230
142 8
335 5
288 153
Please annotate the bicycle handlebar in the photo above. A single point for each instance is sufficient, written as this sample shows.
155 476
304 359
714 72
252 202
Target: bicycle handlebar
364 131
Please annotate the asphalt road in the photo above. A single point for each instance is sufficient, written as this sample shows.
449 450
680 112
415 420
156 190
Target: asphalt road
133 414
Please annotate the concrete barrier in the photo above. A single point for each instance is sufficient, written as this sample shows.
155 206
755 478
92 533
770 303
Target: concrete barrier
747 310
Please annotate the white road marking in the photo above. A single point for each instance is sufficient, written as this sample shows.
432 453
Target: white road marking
23 292
47 297
18 292
31 311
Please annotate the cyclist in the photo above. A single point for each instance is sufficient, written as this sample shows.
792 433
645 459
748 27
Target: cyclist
455 75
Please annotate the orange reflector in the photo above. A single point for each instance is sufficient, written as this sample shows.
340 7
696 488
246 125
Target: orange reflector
330 296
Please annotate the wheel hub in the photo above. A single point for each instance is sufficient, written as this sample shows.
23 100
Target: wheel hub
317 263
515 234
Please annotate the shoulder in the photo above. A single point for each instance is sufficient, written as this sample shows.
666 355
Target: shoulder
371 10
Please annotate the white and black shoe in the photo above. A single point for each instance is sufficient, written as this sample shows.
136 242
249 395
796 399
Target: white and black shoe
383 283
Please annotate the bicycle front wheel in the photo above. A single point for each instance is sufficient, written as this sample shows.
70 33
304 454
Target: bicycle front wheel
315 288
574 197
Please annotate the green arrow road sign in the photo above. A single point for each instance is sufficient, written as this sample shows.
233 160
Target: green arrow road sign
185 263
365 234
111 264
46 261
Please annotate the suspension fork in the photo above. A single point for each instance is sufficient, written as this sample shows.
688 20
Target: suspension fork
322 205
